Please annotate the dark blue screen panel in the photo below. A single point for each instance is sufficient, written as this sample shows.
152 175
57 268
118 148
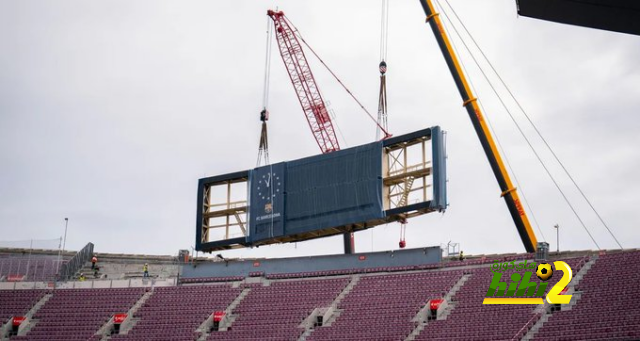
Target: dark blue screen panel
320 195
335 189
267 208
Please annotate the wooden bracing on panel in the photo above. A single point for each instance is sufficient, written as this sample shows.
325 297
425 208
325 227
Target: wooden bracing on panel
399 176
229 215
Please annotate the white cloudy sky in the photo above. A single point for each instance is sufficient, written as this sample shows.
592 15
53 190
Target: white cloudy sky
110 111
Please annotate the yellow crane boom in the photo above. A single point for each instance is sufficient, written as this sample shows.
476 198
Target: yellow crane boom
509 192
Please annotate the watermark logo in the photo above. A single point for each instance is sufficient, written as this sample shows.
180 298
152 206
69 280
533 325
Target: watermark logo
521 290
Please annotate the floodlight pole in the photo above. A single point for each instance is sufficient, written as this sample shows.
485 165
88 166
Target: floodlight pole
557 227
64 243
59 254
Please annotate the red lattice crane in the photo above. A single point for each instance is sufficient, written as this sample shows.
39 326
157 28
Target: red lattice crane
304 83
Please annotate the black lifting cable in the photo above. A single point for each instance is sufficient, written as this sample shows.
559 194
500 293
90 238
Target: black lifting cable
382 96
522 132
263 149
385 131
555 156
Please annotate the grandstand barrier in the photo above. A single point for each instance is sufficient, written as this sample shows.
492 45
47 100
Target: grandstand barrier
408 258
26 285
68 269
93 284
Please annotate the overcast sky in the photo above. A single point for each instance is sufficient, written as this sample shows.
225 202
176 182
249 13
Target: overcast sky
110 111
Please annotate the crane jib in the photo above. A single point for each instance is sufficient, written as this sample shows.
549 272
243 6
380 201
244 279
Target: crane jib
304 84
509 192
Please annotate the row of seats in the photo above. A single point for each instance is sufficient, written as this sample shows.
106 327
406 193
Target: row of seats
487 322
383 306
173 313
29 268
195 280
268 312
78 314
17 302
378 307
608 307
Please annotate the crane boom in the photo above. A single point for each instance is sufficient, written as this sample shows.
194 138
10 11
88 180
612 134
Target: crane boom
308 93
475 114
304 83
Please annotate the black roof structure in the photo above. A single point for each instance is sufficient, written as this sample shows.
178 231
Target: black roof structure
612 15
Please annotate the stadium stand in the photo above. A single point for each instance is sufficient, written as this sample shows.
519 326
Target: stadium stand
76 314
394 299
376 303
17 302
211 279
275 312
608 308
486 322
130 266
174 313
29 268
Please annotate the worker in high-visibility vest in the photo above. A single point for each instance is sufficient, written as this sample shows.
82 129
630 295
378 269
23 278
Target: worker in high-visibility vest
145 269
94 260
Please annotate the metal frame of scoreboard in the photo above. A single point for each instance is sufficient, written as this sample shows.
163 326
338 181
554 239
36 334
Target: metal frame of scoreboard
345 191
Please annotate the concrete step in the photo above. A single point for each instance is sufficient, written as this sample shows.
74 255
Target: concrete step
329 314
128 270
227 320
28 324
128 323
545 310
443 311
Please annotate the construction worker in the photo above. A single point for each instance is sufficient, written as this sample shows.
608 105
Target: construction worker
81 278
461 255
145 269
94 260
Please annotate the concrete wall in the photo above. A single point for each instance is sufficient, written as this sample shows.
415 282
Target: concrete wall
126 270
93 284
429 255
25 285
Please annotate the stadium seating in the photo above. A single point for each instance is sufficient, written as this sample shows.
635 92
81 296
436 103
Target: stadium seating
210 279
274 312
381 307
174 313
17 302
608 308
486 322
77 314
29 268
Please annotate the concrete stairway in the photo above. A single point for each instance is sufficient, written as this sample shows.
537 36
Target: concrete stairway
29 322
227 320
443 311
128 323
110 270
329 314
576 295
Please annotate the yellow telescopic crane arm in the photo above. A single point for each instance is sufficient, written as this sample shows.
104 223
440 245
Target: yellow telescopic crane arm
480 125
